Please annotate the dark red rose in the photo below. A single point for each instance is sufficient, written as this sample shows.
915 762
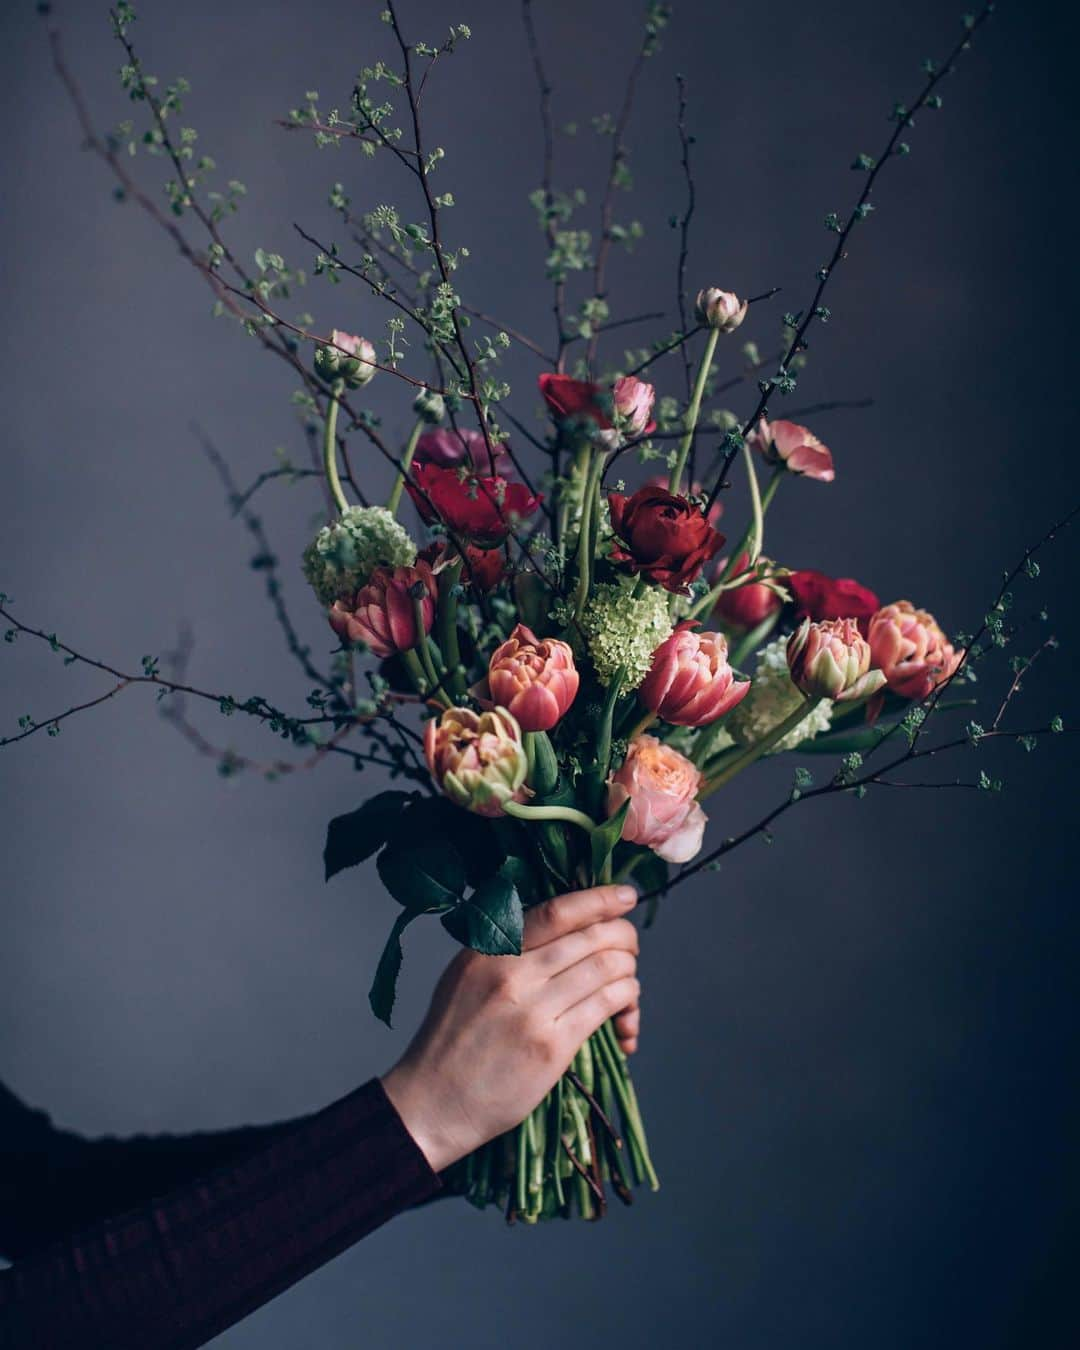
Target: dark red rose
470 505
818 597
748 605
629 401
663 536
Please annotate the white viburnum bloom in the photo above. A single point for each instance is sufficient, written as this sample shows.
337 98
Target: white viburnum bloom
772 697
623 630
342 556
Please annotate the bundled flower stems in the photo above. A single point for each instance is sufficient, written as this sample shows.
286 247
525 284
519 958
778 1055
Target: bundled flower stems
546 636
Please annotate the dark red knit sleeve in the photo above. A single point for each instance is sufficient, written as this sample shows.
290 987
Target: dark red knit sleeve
180 1269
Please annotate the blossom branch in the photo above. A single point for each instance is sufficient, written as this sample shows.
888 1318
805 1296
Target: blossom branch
893 148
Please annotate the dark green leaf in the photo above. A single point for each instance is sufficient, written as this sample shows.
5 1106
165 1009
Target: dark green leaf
384 986
475 838
525 877
352 838
491 920
606 836
428 874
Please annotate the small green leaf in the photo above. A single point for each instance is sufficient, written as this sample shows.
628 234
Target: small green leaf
524 877
427 875
384 986
352 838
491 920
606 836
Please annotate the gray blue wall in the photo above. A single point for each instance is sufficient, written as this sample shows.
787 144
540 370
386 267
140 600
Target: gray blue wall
858 1059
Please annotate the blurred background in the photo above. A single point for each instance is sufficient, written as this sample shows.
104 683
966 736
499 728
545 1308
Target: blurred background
859 1056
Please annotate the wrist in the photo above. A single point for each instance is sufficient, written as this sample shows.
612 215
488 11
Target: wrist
412 1097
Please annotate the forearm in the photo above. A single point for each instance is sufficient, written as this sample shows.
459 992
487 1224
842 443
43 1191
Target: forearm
176 1271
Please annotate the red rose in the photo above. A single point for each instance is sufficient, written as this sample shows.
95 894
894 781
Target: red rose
630 400
663 536
818 597
748 605
479 508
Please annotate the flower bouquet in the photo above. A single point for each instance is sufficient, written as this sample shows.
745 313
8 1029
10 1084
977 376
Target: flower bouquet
559 661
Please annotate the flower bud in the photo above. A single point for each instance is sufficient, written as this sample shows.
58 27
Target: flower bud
536 680
831 659
346 358
429 406
383 614
477 759
690 683
633 403
721 309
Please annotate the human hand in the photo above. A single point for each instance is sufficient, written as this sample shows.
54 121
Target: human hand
501 1030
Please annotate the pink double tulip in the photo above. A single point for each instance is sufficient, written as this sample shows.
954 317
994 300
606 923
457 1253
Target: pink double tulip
794 447
691 683
477 759
535 679
912 651
831 659
383 613
662 786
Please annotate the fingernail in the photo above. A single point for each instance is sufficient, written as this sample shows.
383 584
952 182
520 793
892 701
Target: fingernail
626 896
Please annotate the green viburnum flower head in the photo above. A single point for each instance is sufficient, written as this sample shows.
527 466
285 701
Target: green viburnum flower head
623 630
342 556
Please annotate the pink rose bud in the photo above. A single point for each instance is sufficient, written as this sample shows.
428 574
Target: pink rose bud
664 813
793 446
346 358
721 309
912 651
633 401
477 759
690 682
831 659
535 679
383 614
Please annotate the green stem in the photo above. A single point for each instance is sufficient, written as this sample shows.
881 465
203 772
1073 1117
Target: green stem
415 671
406 464
693 411
766 501
570 813
642 724
586 544
754 752
751 641
446 624
428 666
758 523
330 447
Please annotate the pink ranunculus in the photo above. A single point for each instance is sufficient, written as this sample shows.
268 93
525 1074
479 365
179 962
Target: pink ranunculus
721 309
382 614
831 659
690 683
537 680
909 646
633 405
447 448
793 446
477 759
664 813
